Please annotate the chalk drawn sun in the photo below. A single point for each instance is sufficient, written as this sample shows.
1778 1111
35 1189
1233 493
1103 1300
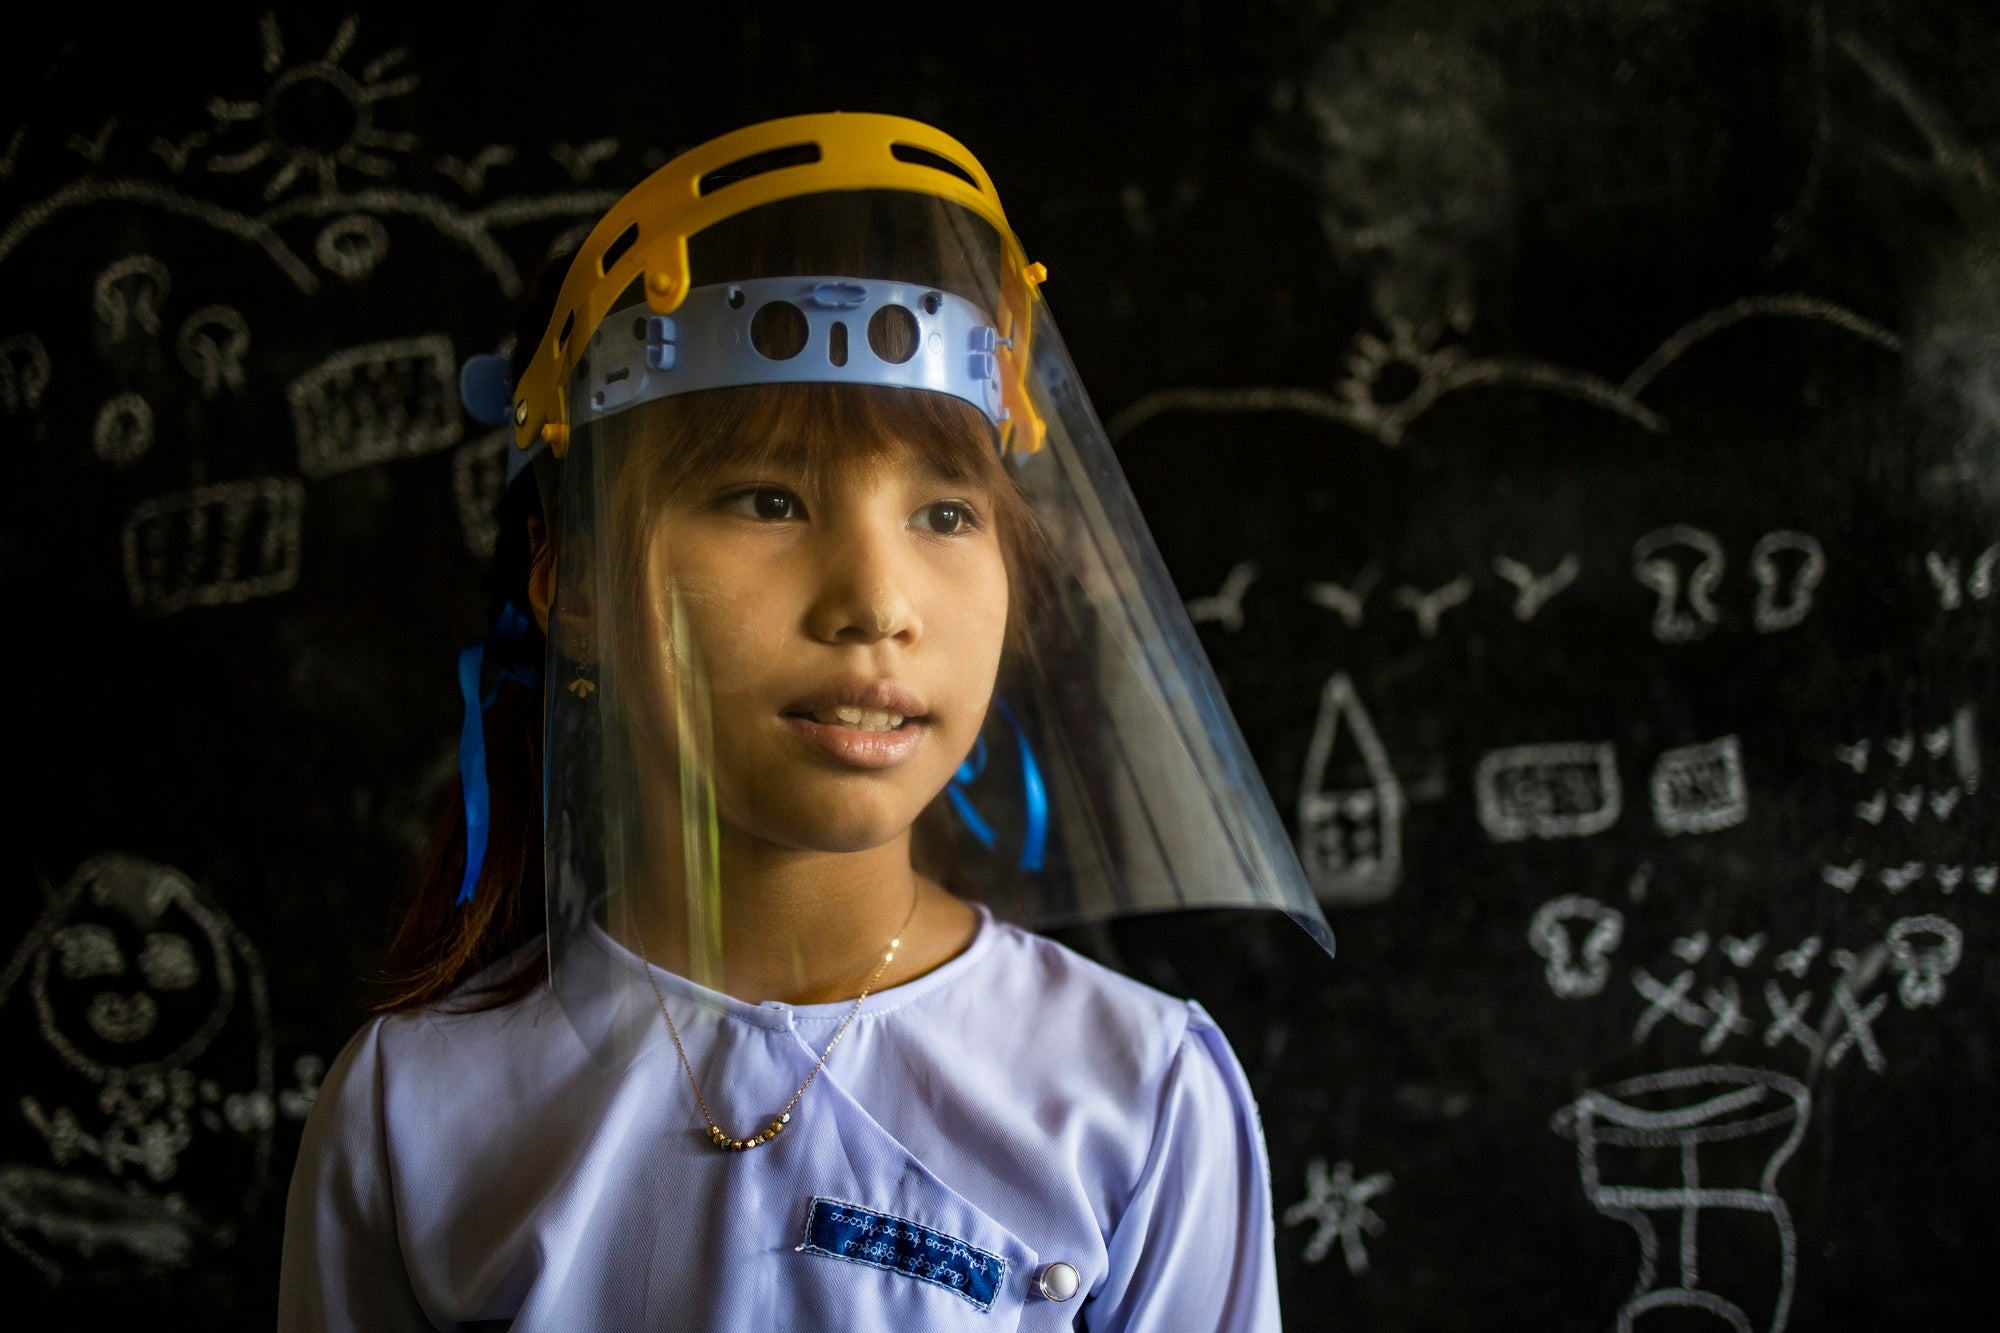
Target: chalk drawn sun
317 117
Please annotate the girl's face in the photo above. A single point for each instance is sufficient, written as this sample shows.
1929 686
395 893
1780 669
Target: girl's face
849 628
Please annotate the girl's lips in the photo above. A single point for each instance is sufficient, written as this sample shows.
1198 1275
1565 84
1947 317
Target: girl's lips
858 748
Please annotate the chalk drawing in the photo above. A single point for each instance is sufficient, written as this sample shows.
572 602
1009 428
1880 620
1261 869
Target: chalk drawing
1788 1019
1226 606
1699 788
1715 1120
1844 877
1897 878
1741 952
1428 607
123 431
296 1102
478 476
1901 748
1575 971
1338 1205
1948 877
1942 803
1872 809
581 161
1798 959
1532 591
1986 878
1665 1000
213 545
375 402
1686 607
315 85
471 176
351 246
212 344
1356 404
12 154
1781 603
153 1007
25 372
1854 1020
1952 588
1726 1017
1909 804
1690 948
91 147
1563 790
1349 602
1350 813
128 296
1855 756
1924 950
177 153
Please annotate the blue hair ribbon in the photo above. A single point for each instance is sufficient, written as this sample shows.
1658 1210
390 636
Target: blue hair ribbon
1033 794
512 624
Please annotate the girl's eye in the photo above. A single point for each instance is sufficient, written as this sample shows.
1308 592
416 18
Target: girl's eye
769 504
946 518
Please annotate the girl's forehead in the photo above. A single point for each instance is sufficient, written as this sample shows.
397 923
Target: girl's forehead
822 460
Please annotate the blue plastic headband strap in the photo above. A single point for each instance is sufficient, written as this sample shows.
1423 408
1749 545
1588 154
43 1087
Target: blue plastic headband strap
512 624
1034 843
637 356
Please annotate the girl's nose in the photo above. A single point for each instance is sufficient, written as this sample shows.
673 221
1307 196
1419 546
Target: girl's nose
865 595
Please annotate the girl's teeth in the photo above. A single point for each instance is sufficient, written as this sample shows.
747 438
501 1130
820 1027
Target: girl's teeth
861 719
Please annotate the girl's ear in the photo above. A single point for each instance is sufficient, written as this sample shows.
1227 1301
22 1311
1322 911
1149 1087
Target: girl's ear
541 572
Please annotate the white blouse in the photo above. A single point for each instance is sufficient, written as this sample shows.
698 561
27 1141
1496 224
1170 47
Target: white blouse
1016 1109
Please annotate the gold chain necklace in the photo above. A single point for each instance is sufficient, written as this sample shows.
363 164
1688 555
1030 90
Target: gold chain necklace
716 1135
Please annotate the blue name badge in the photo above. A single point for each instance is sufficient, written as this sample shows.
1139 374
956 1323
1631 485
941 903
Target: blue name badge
845 1230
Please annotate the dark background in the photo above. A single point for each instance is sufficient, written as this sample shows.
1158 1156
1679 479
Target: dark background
1389 307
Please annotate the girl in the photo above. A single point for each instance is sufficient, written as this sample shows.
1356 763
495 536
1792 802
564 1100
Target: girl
857 652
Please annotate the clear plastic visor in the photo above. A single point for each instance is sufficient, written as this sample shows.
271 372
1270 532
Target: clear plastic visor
827 622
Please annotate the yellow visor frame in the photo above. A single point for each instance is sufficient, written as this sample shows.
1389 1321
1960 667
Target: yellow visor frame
645 235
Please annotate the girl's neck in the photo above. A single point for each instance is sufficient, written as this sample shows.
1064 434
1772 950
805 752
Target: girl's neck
799 927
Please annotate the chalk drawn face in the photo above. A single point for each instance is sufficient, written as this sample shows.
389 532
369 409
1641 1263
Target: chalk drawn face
137 977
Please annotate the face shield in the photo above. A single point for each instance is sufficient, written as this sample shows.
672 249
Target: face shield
844 557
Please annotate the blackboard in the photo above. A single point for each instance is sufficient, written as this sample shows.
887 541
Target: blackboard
1574 428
